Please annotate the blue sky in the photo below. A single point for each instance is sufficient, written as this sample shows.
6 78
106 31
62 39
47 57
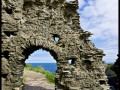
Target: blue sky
100 17
40 56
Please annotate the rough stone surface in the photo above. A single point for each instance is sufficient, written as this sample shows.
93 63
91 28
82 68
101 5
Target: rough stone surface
29 25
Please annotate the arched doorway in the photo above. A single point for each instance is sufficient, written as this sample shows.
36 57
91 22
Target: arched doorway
39 72
23 51
44 59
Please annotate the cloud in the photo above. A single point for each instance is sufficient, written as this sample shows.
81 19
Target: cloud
101 18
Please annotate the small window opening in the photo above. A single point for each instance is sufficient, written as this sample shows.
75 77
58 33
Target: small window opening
87 62
8 11
102 82
71 61
4 75
56 38
81 47
9 34
6 54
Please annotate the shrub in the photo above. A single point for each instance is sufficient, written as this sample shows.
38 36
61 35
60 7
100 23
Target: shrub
112 77
49 76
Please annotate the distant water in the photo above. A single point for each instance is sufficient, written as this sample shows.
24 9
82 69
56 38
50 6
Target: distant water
52 67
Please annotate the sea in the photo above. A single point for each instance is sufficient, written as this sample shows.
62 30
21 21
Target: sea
51 67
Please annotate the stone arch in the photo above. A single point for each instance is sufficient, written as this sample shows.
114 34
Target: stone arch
35 44
24 50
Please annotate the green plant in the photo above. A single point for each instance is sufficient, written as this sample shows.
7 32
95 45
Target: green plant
109 67
49 76
109 71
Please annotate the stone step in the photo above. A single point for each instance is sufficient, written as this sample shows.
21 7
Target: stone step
73 88
66 71
68 80
68 76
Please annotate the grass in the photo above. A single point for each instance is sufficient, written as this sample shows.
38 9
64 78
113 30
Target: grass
49 76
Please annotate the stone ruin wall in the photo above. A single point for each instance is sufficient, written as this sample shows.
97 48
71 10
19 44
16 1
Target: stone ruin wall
29 25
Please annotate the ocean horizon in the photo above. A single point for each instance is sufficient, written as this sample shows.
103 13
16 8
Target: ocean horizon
51 67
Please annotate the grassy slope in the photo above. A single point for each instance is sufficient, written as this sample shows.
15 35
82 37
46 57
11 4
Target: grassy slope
50 76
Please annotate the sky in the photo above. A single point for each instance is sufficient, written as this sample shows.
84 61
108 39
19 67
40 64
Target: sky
100 17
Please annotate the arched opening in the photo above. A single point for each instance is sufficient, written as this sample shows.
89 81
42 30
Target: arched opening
39 70
42 58
56 38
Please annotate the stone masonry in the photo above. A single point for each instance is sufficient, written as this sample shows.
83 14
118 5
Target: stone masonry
30 25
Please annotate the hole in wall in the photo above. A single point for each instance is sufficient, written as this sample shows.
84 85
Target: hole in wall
1 41
8 10
9 34
42 61
87 61
4 76
6 54
71 61
41 56
102 82
81 47
56 38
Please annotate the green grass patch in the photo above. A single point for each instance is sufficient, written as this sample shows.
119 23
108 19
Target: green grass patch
50 76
